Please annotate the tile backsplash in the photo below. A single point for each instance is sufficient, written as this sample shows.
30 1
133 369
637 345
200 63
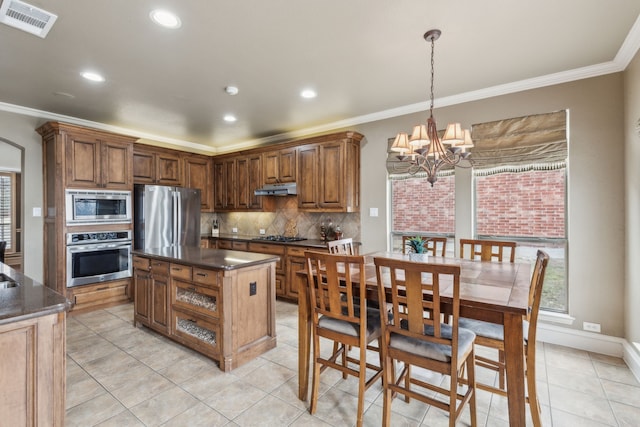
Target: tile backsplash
286 213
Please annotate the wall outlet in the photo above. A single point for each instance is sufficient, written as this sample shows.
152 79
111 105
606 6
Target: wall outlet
253 288
373 212
263 231
234 230
591 327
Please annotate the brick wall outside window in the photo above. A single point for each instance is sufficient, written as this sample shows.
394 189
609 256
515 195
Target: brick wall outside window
523 204
421 208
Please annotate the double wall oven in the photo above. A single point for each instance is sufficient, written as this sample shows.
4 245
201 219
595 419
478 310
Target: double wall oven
105 254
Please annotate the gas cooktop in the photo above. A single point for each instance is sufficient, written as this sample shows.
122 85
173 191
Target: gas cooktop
277 238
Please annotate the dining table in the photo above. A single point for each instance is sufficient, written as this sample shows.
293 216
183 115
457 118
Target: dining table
496 292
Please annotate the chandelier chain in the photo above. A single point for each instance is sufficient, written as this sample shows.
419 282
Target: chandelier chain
432 74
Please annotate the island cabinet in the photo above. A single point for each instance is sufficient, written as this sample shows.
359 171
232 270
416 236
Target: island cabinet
151 293
155 165
227 314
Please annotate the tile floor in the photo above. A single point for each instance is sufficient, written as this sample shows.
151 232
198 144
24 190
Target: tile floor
118 375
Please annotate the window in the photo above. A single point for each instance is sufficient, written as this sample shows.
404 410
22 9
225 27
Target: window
8 210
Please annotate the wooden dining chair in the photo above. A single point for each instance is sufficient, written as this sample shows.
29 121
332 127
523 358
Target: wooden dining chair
339 313
435 246
492 335
487 250
414 335
342 246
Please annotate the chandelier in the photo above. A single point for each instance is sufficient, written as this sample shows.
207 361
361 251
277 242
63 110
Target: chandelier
424 151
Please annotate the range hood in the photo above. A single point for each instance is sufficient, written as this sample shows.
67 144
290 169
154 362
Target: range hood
285 189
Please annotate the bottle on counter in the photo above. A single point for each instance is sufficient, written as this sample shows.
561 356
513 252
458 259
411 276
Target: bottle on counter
215 230
338 232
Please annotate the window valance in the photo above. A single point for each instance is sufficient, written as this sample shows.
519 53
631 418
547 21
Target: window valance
530 142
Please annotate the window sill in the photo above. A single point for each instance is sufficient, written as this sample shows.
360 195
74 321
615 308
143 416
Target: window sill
553 317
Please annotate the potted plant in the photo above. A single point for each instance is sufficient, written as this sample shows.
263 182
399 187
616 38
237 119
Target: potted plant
416 245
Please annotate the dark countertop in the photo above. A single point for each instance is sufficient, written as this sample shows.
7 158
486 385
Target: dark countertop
29 299
219 259
309 243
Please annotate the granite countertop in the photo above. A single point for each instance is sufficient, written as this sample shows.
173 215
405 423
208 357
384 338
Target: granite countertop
29 299
309 243
219 259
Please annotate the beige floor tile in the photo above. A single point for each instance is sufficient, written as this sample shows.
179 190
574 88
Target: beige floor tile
307 420
554 349
93 411
203 386
269 376
141 388
436 417
565 419
283 354
164 406
104 367
199 415
625 414
575 381
338 408
621 374
123 419
570 361
268 412
583 405
188 367
234 399
81 389
249 367
91 348
622 393
605 358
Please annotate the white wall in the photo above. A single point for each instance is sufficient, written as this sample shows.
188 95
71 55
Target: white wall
20 130
632 173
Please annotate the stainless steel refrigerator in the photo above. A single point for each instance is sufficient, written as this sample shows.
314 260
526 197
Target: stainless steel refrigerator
165 216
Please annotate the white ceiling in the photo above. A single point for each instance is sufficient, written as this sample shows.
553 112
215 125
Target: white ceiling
367 59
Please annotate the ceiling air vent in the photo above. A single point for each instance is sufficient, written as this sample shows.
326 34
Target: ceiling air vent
27 18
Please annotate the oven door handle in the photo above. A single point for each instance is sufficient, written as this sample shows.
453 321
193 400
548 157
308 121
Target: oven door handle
96 247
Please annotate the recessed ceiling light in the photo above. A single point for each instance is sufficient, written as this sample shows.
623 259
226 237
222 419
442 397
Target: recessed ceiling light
308 93
93 76
229 118
231 90
165 18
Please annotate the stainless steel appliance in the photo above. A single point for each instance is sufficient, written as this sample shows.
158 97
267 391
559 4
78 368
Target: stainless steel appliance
94 257
284 189
97 206
165 216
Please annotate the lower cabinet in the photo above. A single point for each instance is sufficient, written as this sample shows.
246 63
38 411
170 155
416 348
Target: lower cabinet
228 315
88 297
32 372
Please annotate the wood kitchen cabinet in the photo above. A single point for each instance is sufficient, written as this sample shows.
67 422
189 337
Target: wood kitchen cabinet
79 157
32 372
198 173
329 176
151 293
235 180
224 180
155 165
280 250
280 166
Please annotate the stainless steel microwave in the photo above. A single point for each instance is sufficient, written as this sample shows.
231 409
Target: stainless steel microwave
97 206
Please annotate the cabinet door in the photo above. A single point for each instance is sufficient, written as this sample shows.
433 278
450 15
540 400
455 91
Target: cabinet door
333 172
219 186
160 303
144 167
83 162
295 264
271 164
141 289
197 174
242 183
308 177
230 187
116 165
168 169
288 163
255 181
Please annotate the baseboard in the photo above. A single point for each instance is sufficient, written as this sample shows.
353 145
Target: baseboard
588 341
632 358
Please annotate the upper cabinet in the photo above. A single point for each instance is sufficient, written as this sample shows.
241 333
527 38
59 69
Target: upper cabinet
235 180
154 165
92 158
329 175
249 179
280 166
198 173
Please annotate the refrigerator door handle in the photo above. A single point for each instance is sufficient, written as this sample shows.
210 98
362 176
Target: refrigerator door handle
177 215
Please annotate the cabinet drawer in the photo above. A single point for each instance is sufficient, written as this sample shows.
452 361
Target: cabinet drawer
141 263
159 267
204 335
195 298
299 251
266 248
180 271
225 244
239 246
205 277
90 295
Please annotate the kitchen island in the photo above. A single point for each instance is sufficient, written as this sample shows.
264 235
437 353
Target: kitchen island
32 351
218 302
